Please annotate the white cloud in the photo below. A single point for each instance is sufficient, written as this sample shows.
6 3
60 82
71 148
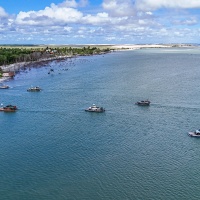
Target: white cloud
190 21
149 13
3 14
100 18
156 4
119 7
50 15
68 3
111 38
68 29
73 3
130 7
116 20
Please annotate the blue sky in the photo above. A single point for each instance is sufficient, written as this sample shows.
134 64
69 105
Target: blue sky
99 21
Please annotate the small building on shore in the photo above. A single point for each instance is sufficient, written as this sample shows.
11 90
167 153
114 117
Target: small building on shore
8 74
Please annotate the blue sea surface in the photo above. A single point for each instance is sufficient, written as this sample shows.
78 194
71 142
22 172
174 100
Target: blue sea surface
52 149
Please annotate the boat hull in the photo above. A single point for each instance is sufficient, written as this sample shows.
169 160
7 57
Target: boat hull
193 134
34 89
4 87
143 104
8 108
95 108
98 111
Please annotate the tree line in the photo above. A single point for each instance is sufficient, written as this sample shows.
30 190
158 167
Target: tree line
16 54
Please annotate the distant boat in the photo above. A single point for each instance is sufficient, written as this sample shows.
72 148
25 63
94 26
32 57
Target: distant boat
8 108
4 86
95 108
143 103
51 70
194 133
34 89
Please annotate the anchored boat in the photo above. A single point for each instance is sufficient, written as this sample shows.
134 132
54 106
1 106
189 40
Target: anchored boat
34 89
95 108
194 133
4 86
8 108
143 103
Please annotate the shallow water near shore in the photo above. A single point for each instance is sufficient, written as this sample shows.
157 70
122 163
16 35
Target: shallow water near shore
52 149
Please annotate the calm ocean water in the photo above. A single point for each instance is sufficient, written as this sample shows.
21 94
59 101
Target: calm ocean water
52 149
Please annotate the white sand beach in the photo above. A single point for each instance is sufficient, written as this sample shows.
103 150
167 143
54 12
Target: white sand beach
139 46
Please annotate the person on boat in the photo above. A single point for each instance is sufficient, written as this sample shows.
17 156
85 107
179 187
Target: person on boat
197 132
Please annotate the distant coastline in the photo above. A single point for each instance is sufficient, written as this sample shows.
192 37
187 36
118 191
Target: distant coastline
13 58
18 65
141 46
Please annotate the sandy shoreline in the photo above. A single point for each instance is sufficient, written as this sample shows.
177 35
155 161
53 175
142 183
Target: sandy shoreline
17 66
135 46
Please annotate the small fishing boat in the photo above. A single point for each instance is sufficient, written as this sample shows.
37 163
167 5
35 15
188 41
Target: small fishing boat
143 103
4 86
95 108
8 108
34 89
194 133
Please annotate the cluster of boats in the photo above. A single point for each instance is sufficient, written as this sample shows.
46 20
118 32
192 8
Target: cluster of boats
93 108
98 109
31 89
13 108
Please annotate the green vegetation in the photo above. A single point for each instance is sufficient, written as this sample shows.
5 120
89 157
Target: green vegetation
1 73
15 54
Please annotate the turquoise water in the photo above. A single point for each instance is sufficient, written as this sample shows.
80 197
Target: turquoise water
52 149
